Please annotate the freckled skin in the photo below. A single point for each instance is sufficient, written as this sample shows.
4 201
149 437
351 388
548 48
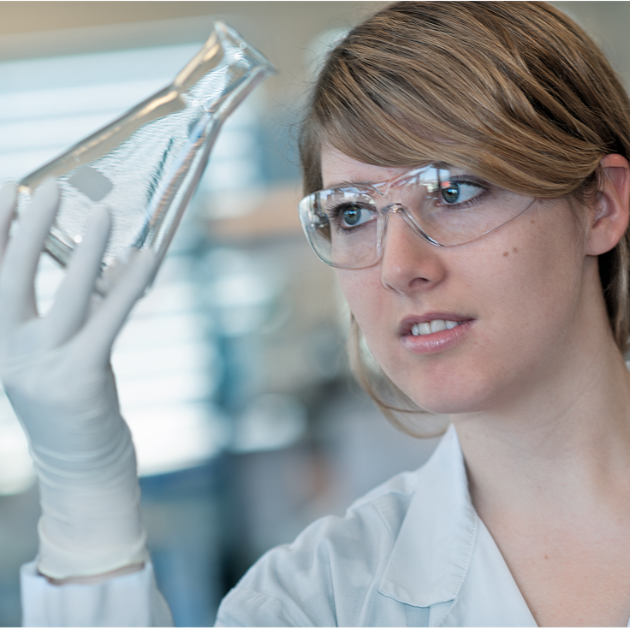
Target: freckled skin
526 310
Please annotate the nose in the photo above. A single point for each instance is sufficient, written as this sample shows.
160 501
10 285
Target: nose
409 263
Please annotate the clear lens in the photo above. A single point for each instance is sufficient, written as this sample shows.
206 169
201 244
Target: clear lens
341 226
445 206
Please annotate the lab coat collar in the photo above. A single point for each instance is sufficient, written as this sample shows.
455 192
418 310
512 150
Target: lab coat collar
435 544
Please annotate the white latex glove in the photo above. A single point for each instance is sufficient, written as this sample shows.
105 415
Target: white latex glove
57 375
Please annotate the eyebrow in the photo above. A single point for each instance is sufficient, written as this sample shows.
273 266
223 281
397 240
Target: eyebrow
345 183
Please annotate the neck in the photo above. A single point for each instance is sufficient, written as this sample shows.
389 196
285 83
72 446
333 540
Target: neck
563 445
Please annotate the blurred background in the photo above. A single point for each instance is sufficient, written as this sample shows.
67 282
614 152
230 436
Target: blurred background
232 371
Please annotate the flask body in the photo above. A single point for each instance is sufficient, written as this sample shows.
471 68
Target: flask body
145 166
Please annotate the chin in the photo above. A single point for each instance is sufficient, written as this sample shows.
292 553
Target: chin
451 396
448 405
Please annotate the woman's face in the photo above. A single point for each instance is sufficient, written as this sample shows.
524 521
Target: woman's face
518 293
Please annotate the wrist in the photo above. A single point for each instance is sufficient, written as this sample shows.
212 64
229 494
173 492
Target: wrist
91 522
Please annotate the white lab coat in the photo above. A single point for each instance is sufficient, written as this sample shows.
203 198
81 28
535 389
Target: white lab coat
412 552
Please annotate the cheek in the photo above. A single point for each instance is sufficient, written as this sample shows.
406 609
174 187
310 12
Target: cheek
538 273
375 310
365 296
527 289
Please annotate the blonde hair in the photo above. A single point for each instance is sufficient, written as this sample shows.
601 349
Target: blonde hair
514 92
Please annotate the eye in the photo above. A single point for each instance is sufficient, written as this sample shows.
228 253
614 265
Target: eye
459 192
351 215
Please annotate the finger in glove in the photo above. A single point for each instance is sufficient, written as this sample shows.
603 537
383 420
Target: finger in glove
17 276
73 297
103 326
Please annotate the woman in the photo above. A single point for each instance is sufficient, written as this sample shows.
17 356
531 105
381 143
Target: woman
467 175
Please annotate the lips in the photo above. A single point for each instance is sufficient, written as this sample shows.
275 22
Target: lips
430 334
431 323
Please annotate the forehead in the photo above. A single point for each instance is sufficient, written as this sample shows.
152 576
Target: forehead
338 168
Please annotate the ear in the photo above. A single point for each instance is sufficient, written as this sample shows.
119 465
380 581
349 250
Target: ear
609 215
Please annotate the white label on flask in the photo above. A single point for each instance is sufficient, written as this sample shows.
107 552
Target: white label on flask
91 183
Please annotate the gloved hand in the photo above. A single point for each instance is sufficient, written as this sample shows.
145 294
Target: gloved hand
56 372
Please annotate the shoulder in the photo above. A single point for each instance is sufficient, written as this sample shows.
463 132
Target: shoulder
333 561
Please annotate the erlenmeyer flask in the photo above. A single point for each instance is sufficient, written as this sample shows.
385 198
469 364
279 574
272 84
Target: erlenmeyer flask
145 165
